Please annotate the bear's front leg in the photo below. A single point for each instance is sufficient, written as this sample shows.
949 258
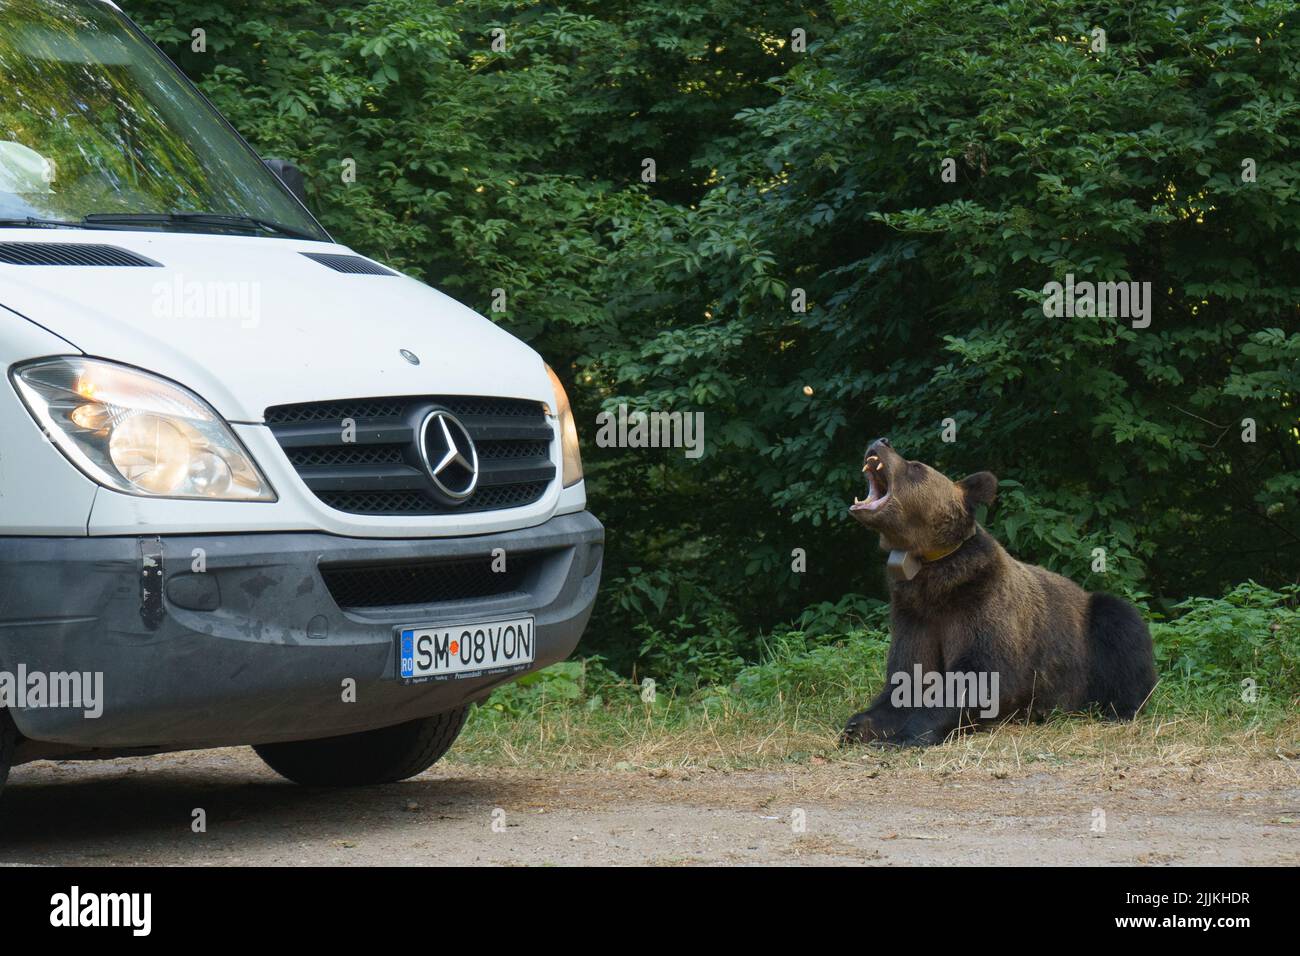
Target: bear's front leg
891 723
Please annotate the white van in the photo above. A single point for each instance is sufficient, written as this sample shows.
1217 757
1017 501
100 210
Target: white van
255 488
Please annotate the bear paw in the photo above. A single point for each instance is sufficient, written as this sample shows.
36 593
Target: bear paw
869 728
861 729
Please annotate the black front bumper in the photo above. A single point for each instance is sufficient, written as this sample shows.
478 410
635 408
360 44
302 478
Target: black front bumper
253 648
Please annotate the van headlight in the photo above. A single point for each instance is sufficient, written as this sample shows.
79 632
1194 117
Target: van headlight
138 433
568 432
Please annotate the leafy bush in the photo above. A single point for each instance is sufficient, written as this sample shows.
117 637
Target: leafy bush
852 612
684 657
924 299
570 683
797 669
679 632
1250 634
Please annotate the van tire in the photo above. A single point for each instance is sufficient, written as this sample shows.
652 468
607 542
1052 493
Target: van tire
8 738
385 755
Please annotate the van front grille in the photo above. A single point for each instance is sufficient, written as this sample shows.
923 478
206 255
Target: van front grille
410 502
363 456
313 457
429 582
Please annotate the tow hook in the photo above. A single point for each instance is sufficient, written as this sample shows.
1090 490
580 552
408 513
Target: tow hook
151 582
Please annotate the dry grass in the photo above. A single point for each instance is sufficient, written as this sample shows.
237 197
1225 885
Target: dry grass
729 738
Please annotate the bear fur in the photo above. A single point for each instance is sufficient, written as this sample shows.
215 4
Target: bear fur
960 604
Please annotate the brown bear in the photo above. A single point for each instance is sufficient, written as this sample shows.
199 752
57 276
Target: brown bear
966 618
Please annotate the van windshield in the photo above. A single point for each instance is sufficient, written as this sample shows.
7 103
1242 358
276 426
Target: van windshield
94 122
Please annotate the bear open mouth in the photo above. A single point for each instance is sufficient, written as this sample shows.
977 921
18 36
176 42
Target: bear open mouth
877 486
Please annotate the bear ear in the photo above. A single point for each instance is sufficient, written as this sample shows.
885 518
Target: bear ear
979 489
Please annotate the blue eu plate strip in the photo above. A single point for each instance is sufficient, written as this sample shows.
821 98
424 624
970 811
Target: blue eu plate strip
408 653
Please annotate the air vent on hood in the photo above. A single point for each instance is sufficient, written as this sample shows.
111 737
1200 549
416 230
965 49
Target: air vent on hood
352 265
69 254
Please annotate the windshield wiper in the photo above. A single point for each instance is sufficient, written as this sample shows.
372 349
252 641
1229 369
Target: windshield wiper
198 218
35 222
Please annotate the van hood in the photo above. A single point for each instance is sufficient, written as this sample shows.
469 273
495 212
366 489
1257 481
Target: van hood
250 322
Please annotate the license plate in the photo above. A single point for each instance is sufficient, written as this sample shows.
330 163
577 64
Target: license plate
459 651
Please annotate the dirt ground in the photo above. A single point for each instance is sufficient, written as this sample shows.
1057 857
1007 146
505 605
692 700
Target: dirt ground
854 812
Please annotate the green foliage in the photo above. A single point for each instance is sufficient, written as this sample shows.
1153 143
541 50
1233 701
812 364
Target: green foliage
819 171
852 612
798 669
688 655
923 294
569 683
1251 634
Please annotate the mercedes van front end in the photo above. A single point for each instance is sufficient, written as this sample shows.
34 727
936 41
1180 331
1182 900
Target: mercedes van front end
255 488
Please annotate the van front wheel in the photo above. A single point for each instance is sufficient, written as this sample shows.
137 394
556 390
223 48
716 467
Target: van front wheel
385 755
